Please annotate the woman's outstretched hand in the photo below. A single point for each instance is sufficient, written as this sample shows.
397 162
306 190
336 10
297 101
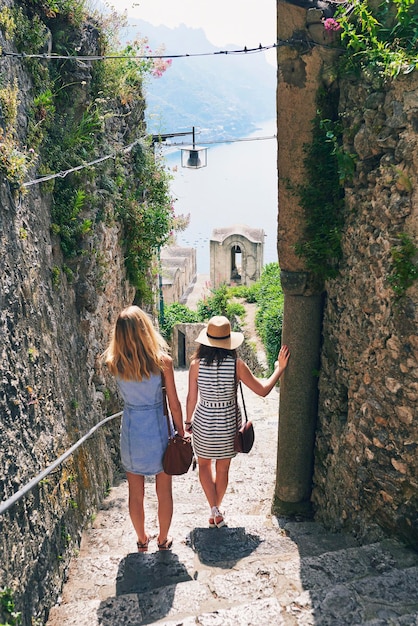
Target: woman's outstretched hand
283 358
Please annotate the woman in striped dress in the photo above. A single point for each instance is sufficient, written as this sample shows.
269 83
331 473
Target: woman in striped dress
211 405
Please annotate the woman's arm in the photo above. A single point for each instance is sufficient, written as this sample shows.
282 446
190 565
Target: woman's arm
263 387
172 397
192 393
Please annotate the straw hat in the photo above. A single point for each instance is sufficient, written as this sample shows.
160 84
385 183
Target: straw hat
218 334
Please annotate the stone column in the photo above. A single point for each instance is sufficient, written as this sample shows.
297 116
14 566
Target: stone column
298 396
300 74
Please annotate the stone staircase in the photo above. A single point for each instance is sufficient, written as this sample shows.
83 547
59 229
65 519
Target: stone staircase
258 571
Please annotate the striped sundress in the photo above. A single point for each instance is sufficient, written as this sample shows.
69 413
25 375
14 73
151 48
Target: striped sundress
214 422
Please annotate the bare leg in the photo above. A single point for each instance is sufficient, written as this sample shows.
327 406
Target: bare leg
165 504
207 480
136 504
214 483
221 479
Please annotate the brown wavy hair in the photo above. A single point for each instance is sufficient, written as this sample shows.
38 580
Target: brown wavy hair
136 349
209 354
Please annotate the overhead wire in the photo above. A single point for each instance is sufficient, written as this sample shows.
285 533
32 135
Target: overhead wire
49 56
215 141
292 41
104 57
126 150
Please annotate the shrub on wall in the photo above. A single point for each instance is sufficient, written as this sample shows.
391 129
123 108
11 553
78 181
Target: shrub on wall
380 37
176 313
269 317
71 116
405 270
219 303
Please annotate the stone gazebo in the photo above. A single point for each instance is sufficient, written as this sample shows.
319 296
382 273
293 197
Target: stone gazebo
236 255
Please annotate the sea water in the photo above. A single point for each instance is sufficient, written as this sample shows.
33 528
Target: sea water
238 186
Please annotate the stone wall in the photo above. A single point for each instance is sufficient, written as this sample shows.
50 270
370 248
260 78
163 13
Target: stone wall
52 387
178 272
366 465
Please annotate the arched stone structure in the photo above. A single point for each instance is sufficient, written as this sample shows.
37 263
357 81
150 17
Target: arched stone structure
236 255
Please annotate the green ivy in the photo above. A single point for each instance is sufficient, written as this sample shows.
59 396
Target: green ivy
321 197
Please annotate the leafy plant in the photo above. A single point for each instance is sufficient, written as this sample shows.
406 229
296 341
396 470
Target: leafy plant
249 293
72 10
215 304
14 160
44 108
69 136
66 219
269 316
7 608
56 276
30 34
176 313
405 270
123 77
380 36
9 103
346 162
7 22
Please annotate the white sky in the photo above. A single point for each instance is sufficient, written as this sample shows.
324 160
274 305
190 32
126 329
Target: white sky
243 22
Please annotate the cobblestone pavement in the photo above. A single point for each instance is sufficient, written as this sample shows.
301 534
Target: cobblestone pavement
259 570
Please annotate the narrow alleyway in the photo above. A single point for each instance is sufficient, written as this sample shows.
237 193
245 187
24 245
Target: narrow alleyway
258 571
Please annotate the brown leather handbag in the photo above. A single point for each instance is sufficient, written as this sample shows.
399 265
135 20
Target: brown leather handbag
244 437
179 453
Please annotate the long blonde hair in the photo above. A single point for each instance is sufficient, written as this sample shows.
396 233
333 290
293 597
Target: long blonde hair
136 348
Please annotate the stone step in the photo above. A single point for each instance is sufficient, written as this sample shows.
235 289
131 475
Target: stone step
244 576
242 598
260 571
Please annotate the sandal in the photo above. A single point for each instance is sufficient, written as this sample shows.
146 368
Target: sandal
165 545
143 547
217 519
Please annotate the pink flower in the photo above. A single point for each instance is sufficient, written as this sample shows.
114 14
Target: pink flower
331 25
160 66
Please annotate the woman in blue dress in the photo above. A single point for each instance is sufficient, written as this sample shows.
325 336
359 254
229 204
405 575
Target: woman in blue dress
137 356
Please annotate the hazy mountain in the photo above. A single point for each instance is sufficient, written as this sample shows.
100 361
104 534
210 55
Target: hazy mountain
222 95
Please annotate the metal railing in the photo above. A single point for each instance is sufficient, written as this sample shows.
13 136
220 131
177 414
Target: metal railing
6 504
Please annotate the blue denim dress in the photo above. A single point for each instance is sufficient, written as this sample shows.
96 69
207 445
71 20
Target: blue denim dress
144 434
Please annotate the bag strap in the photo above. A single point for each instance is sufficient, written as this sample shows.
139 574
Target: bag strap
243 402
242 396
165 406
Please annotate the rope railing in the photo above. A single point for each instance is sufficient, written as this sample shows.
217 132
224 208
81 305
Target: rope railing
6 504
